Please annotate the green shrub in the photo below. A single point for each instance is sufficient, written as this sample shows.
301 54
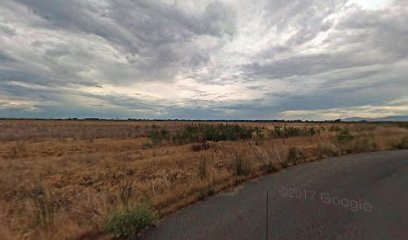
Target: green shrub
202 133
285 132
344 135
211 132
129 222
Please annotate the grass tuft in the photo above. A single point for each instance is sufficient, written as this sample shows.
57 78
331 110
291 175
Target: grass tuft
202 168
239 165
294 155
328 150
128 223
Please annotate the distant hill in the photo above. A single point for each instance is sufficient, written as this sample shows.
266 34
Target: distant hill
403 118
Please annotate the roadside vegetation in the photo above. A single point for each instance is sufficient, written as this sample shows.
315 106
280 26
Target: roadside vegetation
129 222
202 133
402 144
112 180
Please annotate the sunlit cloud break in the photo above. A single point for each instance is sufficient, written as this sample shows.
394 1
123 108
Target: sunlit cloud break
230 59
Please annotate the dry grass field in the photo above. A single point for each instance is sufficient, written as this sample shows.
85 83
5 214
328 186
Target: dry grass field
75 179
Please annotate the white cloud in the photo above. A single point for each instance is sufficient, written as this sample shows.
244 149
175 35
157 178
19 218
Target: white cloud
368 111
17 104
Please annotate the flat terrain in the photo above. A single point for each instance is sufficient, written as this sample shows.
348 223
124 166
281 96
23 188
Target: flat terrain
65 179
379 179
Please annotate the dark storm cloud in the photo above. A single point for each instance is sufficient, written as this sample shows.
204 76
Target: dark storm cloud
201 59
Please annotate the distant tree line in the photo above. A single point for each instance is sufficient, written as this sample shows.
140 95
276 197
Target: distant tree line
177 120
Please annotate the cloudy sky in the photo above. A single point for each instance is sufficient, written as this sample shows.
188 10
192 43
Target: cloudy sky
199 59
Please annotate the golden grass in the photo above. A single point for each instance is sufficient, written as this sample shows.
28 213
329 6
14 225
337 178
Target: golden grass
62 179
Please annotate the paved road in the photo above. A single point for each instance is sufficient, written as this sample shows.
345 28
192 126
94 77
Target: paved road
363 196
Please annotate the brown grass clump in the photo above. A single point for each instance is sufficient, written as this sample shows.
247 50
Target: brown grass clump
83 179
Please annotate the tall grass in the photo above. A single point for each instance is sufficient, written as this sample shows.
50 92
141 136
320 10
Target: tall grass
294 155
42 207
328 150
239 165
202 168
401 144
92 185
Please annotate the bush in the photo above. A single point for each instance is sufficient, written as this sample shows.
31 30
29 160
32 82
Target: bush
402 144
285 132
344 135
270 167
158 137
220 132
129 222
202 133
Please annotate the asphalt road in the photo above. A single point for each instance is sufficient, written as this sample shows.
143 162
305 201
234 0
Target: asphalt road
363 196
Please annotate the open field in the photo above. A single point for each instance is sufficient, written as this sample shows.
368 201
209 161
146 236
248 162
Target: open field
66 179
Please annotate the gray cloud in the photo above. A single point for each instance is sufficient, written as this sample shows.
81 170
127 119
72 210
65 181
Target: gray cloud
204 59
155 38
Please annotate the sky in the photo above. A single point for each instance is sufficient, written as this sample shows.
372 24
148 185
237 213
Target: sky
202 59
